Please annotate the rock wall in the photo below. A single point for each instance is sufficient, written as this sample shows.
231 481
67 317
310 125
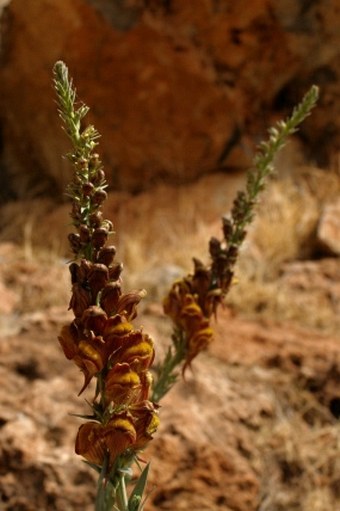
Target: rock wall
177 89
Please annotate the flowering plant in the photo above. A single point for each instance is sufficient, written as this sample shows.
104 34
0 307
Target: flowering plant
102 340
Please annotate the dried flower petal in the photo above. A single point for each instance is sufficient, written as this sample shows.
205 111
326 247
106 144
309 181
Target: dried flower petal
87 354
106 255
146 421
68 341
80 300
127 305
94 319
109 298
97 279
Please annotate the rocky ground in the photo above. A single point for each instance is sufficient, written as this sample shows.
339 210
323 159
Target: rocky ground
255 426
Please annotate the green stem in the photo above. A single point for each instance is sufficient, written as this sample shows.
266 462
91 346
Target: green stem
264 166
121 495
105 492
167 373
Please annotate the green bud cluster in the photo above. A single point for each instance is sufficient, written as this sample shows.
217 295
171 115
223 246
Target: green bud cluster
87 188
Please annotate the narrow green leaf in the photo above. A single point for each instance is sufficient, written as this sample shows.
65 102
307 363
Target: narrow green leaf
138 491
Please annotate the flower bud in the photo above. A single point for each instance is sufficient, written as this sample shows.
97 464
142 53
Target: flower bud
82 161
98 278
99 178
80 300
232 253
99 237
84 233
87 189
74 270
226 280
94 160
99 196
109 298
74 240
227 228
115 271
107 224
94 319
96 219
106 255
76 213
214 247
84 270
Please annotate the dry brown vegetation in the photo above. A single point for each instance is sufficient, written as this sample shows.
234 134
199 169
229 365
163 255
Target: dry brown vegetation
282 407
159 232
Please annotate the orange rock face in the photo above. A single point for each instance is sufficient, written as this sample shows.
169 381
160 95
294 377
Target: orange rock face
177 89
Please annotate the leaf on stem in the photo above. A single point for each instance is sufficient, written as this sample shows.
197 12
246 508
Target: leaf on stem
135 500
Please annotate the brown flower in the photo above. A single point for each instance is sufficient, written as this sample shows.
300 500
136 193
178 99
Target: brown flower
95 441
123 385
197 328
94 319
109 297
97 278
146 421
187 314
87 354
80 300
124 344
173 302
127 304
114 302
198 341
135 348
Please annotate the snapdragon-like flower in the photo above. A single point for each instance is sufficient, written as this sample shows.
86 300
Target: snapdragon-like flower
182 305
103 343
193 300
101 340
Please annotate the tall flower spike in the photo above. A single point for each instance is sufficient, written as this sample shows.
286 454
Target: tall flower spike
101 339
87 188
193 300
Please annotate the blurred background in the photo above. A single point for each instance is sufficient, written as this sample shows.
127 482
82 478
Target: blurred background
178 89
182 91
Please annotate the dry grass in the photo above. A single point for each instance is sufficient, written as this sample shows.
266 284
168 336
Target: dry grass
159 232
301 464
296 437
37 280
285 231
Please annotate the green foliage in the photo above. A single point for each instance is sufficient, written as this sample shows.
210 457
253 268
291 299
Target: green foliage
243 210
167 372
135 500
87 188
